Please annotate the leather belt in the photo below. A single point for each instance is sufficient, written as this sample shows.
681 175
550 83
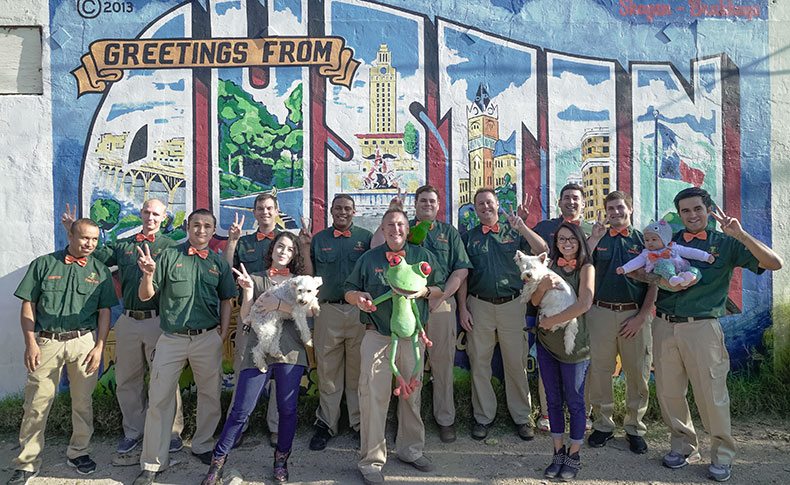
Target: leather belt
141 314
334 302
497 300
617 307
677 319
194 331
63 336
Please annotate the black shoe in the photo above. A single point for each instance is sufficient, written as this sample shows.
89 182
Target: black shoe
556 464
146 477
204 458
83 464
447 433
21 477
598 439
321 437
571 467
479 431
525 431
636 444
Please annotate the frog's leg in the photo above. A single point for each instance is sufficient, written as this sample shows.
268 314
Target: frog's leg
386 296
403 389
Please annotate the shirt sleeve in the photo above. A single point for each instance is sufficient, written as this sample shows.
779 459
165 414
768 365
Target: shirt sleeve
107 296
161 270
29 288
460 260
106 254
227 286
741 257
355 280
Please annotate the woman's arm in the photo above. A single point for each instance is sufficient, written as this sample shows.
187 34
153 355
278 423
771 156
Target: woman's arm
583 302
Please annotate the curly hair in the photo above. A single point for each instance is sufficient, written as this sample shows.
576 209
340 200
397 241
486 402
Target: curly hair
296 266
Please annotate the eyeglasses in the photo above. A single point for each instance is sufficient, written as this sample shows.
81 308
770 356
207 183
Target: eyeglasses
563 240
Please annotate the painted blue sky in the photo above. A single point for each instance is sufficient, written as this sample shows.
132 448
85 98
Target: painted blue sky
703 126
295 6
592 73
645 76
574 113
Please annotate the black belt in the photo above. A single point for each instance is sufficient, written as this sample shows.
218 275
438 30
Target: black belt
617 307
676 319
63 336
141 314
497 300
193 331
334 302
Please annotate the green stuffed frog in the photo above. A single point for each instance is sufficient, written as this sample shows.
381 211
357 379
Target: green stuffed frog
407 281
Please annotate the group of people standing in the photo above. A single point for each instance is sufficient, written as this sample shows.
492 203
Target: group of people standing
178 300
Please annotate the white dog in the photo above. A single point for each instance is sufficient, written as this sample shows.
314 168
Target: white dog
301 292
533 270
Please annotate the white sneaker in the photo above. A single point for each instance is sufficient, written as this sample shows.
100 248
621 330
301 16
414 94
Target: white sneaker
544 424
588 425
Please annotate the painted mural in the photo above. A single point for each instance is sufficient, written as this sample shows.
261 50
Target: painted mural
206 103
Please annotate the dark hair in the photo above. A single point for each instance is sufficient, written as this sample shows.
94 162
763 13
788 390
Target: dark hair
426 188
582 254
264 196
82 222
619 195
202 212
296 266
483 190
693 192
343 197
571 186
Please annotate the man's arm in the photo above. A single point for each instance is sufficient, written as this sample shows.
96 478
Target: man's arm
536 243
147 265
27 318
225 308
631 326
93 359
765 256
464 316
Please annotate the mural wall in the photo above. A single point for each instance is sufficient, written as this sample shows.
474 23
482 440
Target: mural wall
207 103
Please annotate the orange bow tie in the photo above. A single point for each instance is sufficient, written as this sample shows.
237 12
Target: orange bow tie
346 233
261 236
142 237
570 263
575 222
391 255
494 228
201 253
281 272
688 236
665 254
80 261
623 232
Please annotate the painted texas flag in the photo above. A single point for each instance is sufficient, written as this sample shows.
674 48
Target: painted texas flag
672 166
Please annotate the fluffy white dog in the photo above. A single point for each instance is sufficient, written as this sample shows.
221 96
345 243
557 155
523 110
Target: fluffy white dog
533 269
301 292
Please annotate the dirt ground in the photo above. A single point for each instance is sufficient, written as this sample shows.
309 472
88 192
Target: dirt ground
763 457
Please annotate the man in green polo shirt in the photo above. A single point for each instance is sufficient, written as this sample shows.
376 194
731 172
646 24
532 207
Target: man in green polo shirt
195 287
364 284
65 297
492 312
688 342
619 323
338 333
137 329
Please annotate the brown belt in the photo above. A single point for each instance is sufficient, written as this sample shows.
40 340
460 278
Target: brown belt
617 307
140 314
63 336
497 300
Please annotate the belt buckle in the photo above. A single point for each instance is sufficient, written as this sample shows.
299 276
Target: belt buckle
137 314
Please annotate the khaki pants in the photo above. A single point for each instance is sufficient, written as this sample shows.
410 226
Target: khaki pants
204 354
694 351
503 323
375 391
441 330
134 354
40 390
338 336
635 356
272 417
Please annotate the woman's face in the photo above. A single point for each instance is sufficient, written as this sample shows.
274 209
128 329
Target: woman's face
567 243
282 253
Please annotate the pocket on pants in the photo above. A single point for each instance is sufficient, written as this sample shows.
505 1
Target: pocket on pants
718 375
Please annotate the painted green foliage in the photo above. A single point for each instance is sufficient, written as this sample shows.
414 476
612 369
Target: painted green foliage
411 139
506 195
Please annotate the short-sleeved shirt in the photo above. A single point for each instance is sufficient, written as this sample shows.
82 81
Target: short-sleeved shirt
610 254
123 253
368 276
708 297
494 273
291 344
554 341
446 245
547 228
334 257
250 251
66 296
191 288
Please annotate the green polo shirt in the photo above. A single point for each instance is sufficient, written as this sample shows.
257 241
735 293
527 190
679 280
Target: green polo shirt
611 253
334 257
494 273
547 228
446 245
123 253
66 296
554 341
191 288
250 251
368 276
709 296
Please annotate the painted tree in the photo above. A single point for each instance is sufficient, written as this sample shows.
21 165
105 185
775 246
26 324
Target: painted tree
106 214
411 140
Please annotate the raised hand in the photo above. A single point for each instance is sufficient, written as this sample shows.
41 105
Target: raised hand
234 232
68 217
515 221
305 233
243 278
599 226
523 210
729 225
398 201
144 260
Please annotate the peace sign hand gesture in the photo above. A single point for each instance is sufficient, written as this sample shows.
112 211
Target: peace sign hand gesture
305 233
243 278
234 233
515 221
729 225
599 226
523 210
68 217
145 261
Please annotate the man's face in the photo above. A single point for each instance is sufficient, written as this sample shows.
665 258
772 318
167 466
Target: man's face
152 214
265 213
200 230
693 213
487 208
571 204
396 228
427 206
619 213
83 239
342 211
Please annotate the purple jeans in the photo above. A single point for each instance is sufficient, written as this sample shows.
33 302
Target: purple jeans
564 384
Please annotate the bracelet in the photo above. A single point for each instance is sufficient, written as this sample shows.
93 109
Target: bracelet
278 303
428 295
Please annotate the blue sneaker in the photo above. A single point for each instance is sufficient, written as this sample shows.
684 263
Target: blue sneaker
719 473
128 444
675 460
176 444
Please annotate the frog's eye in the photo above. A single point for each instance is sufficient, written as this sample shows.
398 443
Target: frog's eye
395 261
425 268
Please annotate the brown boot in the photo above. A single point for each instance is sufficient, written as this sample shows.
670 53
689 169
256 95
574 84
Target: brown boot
281 466
214 475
